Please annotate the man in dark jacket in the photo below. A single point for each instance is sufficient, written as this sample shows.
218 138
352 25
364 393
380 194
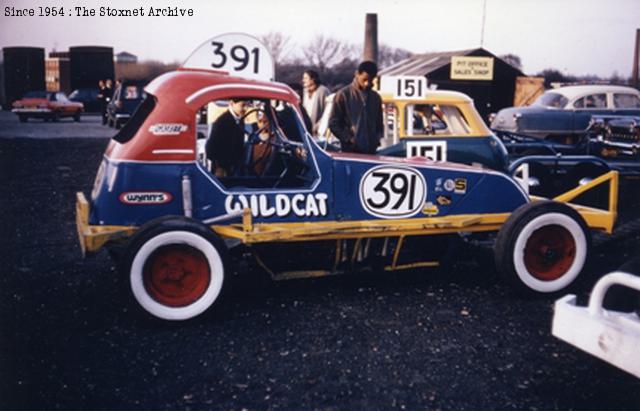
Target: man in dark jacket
225 145
356 119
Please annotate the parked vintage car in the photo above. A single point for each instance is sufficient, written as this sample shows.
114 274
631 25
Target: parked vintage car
171 221
563 114
126 98
440 125
47 105
609 143
88 97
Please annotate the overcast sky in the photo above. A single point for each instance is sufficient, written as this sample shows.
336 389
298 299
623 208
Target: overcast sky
575 36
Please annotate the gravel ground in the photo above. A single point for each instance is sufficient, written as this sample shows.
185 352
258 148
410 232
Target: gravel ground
70 338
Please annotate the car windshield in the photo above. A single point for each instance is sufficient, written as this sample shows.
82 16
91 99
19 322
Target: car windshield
131 92
35 94
435 119
551 99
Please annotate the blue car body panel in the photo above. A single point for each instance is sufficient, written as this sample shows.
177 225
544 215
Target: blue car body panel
345 187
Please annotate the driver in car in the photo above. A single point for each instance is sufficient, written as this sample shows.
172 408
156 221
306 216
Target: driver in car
261 147
225 144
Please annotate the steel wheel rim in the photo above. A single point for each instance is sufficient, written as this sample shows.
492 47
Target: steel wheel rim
549 252
176 275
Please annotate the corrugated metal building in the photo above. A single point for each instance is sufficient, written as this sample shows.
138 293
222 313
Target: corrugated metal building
491 88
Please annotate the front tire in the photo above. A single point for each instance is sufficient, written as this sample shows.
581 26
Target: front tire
176 268
542 247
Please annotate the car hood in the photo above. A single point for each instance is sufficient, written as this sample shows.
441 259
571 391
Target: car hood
31 102
506 118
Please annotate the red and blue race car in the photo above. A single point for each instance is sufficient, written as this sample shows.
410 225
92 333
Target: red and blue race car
173 219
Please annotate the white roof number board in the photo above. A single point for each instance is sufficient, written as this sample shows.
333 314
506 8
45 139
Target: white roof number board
404 87
238 54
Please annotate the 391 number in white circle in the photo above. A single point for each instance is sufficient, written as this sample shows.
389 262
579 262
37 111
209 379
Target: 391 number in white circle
392 192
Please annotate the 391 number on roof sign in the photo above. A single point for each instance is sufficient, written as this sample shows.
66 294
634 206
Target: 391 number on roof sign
238 54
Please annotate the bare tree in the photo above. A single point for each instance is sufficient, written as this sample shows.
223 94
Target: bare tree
277 44
323 52
388 55
143 70
513 60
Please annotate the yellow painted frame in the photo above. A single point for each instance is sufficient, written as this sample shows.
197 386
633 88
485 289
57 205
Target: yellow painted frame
92 237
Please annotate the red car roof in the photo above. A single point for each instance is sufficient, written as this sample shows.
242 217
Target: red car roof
179 95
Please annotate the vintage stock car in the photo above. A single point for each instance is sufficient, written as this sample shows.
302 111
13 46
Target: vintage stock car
563 114
173 220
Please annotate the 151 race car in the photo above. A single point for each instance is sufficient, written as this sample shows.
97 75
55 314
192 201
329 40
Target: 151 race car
174 220
438 124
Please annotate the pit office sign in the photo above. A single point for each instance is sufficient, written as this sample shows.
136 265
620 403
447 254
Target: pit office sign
471 68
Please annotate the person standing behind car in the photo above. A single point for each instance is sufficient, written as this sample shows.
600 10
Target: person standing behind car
108 95
103 101
225 145
313 98
356 119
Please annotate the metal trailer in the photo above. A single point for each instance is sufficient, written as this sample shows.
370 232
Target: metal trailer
610 335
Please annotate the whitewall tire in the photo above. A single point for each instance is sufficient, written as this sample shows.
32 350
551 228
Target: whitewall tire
542 247
176 269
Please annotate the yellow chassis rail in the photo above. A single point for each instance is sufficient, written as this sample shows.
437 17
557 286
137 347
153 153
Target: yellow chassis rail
93 237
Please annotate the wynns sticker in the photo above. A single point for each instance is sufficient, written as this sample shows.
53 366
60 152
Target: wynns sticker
145 198
167 129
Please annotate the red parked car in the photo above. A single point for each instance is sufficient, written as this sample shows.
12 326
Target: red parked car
47 105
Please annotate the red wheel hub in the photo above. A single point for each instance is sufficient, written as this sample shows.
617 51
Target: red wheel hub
549 252
176 275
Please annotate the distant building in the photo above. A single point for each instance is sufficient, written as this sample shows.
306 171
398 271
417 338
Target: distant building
23 70
124 58
487 79
57 72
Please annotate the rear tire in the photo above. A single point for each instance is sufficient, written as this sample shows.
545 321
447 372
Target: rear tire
55 117
542 247
175 267
23 119
76 116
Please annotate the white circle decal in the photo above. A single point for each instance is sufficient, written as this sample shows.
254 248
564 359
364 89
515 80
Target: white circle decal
392 192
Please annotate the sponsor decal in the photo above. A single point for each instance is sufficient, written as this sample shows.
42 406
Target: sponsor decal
392 191
280 205
449 184
460 186
430 209
145 197
443 200
167 129
438 187
434 150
